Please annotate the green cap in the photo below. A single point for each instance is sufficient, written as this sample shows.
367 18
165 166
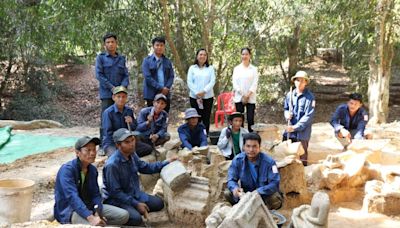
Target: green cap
120 89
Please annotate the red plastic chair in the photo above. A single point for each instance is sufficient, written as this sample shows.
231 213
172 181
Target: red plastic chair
225 105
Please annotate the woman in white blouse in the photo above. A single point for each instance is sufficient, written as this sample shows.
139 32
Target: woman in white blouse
201 80
244 80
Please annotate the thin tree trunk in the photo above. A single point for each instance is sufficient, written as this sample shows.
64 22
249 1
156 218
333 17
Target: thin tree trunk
166 27
380 64
292 49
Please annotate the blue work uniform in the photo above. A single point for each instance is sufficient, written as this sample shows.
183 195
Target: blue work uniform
303 113
262 175
67 194
154 80
191 138
113 120
111 71
158 126
356 124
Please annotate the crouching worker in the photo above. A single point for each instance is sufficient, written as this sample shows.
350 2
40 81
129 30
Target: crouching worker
349 120
230 141
77 192
117 116
255 171
121 180
192 133
153 122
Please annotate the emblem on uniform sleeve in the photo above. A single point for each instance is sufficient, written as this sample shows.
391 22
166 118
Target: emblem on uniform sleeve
313 103
365 117
274 169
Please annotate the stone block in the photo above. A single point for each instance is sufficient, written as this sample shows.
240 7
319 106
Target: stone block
185 156
192 205
250 211
172 144
175 176
203 150
382 197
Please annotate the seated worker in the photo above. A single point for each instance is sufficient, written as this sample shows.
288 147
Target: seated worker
77 192
349 120
121 180
153 122
192 133
255 171
119 116
230 141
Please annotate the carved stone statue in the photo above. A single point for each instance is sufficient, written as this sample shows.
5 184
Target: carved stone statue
314 216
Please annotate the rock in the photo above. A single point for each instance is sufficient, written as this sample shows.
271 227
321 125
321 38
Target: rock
286 161
161 153
192 205
267 132
287 148
30 125
158 218
332 178
185 155
322 143
203 150
293 185
158 189
171 153
217 215
314 216
216 156
250 211
148 180
172 144
332 162
195 166
175 176
382 198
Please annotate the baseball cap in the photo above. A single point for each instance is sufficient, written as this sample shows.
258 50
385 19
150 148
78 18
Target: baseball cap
123 133
85 140
120 89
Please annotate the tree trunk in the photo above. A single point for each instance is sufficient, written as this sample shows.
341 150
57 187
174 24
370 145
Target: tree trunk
292 50
380 64
178 63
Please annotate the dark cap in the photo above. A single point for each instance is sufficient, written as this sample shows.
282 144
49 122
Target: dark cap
160 96
120 89
123 133
234 115
85 140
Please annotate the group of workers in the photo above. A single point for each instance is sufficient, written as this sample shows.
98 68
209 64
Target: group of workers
124 138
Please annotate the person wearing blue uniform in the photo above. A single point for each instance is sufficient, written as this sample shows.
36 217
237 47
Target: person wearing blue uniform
111 71
77 191
117 116
255 171
299 112
158 73
121 180
192 133
349 120
153 122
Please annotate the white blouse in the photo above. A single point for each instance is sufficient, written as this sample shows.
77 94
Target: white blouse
201 79
245 79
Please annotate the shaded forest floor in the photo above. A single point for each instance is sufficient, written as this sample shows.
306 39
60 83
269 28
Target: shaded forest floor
330 85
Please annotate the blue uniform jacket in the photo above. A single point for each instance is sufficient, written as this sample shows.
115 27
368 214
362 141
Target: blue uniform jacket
159 126
341 118
114 120
121 180
67 200
111 71
150 84
267 181
190 139
303 114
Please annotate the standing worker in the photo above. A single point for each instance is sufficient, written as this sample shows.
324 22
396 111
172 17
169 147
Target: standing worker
158 73
111 71
299 112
